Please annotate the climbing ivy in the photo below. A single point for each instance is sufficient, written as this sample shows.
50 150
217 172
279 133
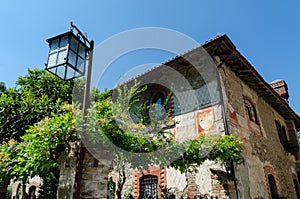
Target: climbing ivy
227 148
110 121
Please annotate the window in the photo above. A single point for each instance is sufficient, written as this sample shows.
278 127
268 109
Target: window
32 190
250 111
172 196
296 185
158 110
18 192
282 135
149 186
111 188
272 186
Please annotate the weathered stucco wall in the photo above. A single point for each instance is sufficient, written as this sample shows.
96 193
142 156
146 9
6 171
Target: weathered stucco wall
190 125
202 182
263 151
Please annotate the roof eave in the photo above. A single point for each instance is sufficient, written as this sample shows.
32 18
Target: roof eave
246 72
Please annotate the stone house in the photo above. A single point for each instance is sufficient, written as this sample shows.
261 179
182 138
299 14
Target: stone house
216 91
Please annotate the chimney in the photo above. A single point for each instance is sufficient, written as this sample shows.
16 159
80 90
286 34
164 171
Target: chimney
281 88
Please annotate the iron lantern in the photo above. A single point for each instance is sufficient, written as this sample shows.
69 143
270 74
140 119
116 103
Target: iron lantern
67 55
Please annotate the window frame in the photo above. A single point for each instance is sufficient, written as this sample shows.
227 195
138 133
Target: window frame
32 192
153 180
272 186
250 110
281 132
160 107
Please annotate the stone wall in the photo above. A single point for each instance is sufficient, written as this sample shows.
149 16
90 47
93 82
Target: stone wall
95 172
67 167
36 181
263 152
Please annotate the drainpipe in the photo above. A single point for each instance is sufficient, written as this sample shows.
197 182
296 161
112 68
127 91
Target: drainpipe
224 115
221 93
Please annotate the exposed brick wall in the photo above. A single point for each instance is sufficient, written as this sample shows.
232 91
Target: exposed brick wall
281 88
153 170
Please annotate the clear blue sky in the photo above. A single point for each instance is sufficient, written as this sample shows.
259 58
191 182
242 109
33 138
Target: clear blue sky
266 32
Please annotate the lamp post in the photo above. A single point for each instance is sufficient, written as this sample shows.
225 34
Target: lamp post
71 56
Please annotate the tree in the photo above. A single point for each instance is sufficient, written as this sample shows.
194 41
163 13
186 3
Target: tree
44 143
38 153
6 161
36 95
2 87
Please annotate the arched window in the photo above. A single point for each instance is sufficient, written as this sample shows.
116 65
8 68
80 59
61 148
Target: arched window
18 192
172 196
282 135
111 188
250 111
158 102
32 190
296 185
272 185
149 186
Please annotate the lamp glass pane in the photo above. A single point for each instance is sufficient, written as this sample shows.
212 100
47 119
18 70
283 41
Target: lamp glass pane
74 44
80 63
64 41
54 45
52 70
82 51
70 73
77 74
61 71
81 66
52 60
72 58
62 55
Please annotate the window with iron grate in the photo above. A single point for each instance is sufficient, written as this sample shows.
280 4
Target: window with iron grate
149 186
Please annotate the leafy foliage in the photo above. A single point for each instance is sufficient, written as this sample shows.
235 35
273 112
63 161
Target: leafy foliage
226 148
36 96
45 140
120 131
152 137
111 187
2 87
38 153
8 151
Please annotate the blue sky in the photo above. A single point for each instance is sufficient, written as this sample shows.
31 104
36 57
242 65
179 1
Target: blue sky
265 32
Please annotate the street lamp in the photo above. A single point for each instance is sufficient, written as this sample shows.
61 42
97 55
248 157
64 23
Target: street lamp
68 56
